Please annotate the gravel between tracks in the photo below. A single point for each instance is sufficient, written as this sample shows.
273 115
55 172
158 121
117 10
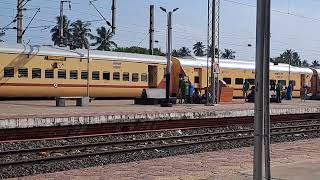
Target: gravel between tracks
24 170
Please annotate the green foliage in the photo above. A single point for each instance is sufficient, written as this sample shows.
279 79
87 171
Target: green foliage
305 63
103 40
139 50
80 33
182 52
1 35
228 54
55 32
315 63
289 56
198 49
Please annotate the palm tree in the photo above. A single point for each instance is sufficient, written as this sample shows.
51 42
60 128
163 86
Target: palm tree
305 63
184 51
55 36
228 54
198 49
80 34
2 34
315 63
103 40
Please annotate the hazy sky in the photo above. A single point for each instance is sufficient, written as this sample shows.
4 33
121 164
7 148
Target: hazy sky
295 23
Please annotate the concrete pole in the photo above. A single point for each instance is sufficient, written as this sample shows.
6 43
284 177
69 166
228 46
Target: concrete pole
114 8
266 90
88 74
61 23
19 21
151 30
213 48
208 42
259 93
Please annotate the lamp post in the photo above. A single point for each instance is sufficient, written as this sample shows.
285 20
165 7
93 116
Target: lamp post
167 103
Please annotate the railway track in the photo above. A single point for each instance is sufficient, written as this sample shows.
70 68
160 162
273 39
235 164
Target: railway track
32 156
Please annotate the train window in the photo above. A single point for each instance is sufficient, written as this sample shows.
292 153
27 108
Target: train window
23 72
283 82
251 81
239 81
227 80
116 76
48 73
125 76
36 73
144 77
73 74
62 74
84 75
135 77
106 75
196 79
95 75
293 82
8 72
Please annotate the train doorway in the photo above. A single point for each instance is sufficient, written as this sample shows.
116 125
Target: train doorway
153 76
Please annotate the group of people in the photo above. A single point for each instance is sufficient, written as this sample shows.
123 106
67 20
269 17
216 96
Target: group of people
278 88
187 92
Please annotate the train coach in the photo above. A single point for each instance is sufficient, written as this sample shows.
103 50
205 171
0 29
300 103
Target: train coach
38 71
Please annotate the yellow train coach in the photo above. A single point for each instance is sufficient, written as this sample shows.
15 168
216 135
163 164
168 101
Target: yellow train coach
37 71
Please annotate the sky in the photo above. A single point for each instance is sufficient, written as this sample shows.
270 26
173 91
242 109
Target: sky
294 23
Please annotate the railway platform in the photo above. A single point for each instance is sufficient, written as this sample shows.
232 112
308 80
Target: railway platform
291 160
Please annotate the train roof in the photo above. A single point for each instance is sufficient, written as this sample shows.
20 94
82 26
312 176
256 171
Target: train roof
241 64
79 53
120 56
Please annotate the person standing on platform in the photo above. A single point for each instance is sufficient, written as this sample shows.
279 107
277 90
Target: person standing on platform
180 92
186 91
279 88
289 91
245 88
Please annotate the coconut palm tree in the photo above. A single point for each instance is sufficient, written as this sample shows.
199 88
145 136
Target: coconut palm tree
228 54
103 40
2 34
315 63
198 49
55 32
80 33
305 63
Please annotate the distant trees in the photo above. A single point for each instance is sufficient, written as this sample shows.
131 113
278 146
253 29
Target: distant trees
228 54
287 56
103 40
55 32
1 35
305 63
139 50
182 52
315 63
80 33
198 49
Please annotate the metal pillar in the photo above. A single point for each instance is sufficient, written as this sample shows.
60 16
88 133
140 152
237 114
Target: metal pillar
19 21
259 92
114 8
61 24
88 74
213 51
151 30
266 83
169 46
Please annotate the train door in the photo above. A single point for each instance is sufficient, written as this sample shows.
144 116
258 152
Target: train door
197 78
153 76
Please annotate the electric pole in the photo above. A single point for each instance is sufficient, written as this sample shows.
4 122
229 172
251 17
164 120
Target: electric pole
151 30
113 8
61 33
19 21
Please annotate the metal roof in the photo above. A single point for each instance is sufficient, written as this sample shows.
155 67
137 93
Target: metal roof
120 56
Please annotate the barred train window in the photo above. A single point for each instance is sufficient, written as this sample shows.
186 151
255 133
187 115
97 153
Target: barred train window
23 72
73 74
135 77
8 72
227 80
125 76
84 75
144 77
36 73
48 73
62 74
116 76
106 75
95 75
239 81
